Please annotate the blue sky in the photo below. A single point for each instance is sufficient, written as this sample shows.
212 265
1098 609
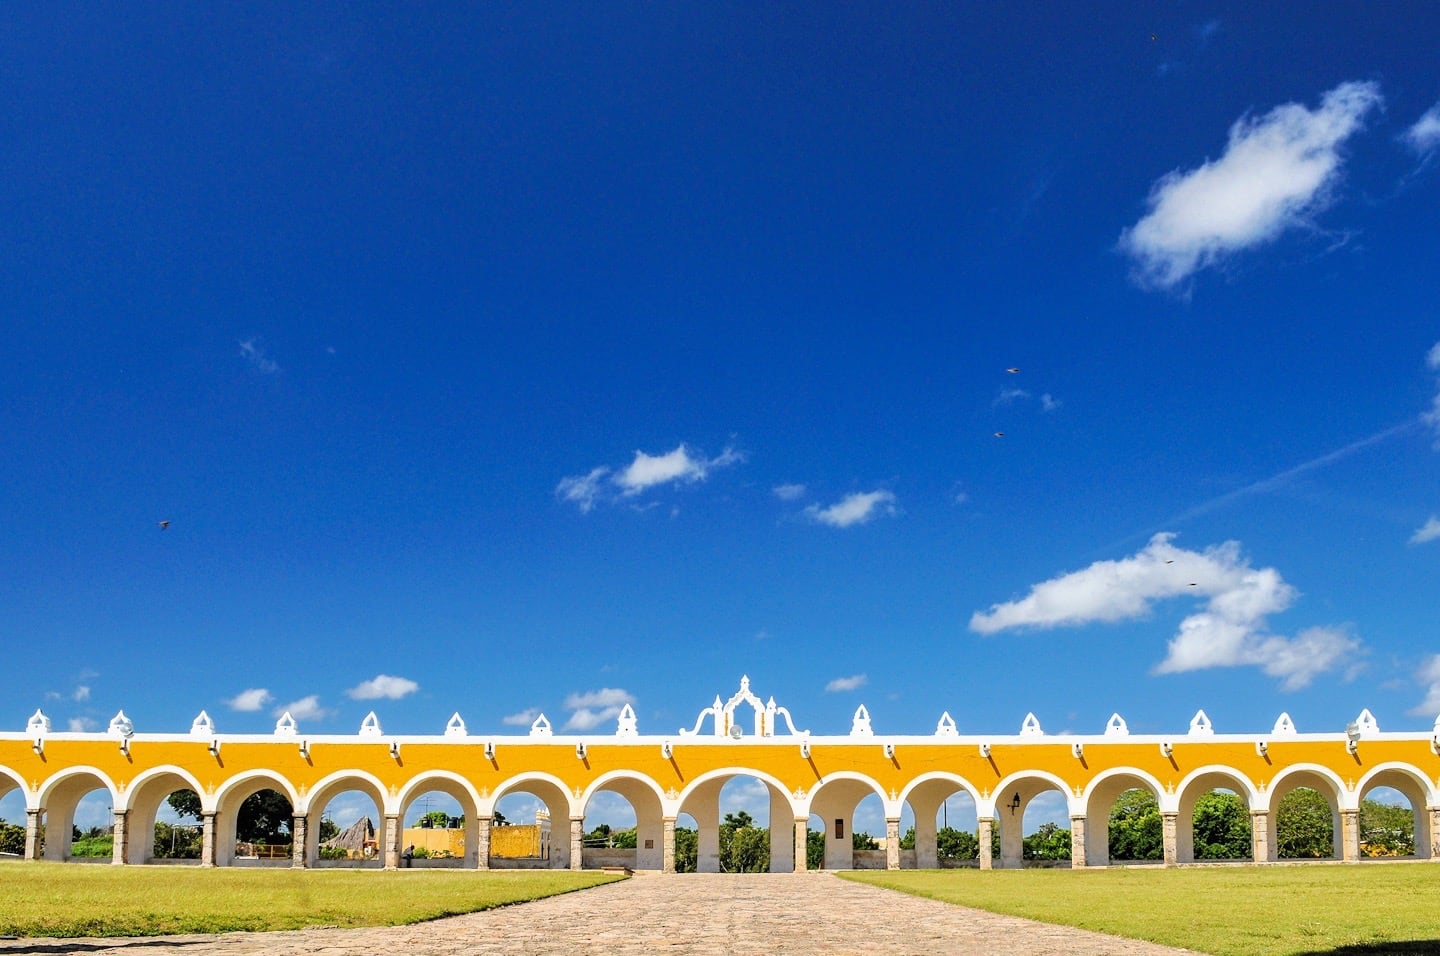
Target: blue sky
981 358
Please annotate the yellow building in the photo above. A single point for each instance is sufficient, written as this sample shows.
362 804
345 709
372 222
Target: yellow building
666 776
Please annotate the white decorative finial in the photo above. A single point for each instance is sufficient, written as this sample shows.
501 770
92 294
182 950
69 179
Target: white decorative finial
120 725
1367 722
1200 725
1030 727
370 726
1116 727
202 726
541 727
860 726
946 727
40 724
1284 726
285 726
456 726
626 726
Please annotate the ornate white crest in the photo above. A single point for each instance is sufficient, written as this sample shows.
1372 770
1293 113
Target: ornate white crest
1200 725
456 726
40 724
1284 726
370 726
860 726
626 726
202 726
1367 723
285 726
541 727
946 727
1030 727
120 725
1116 727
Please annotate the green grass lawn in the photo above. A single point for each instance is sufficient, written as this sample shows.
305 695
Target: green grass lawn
1229 911
59 899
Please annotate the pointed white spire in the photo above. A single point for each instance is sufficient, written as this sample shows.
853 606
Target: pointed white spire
456 726
1200 725
202 726
1030 727
946 727
860 726
1116 727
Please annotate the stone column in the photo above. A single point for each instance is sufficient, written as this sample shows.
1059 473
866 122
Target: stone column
393 833
1169 840
667 845
207 839
32 834
892 843
299 836
1261 851
802 844
1350 835
122 839
987 837
482 843
577 843
1433 813
1077 843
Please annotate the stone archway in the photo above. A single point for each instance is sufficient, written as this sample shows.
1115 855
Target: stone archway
226 815
564 823
1194 790
1411 784
644 798
1094 844
834 800
58 799
929 798
701 801
135 830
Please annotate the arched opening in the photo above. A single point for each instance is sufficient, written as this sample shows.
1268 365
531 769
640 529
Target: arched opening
1392 817
623 826
742 824
163 821
1307 825
1213 820
78 819
439 824
1033 817
531 828
942 829
1123 822
12 817
344 826
837 802
252 823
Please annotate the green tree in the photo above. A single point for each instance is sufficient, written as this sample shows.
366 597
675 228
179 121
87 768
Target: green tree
1221 827
814 849
1304 826
176 842
329 829
186 803
1386 830
907 839
437 820
863 841
744 847
953 844
687 849
625 839
1136 829
1049 842
12 838
498 820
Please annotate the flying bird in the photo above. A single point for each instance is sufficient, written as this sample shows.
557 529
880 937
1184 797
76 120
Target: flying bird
1169 560
1013 370
999 434
163 525
1154 37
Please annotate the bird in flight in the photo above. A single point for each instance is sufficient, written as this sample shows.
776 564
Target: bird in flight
1154 37
1014 370
163 525
999 434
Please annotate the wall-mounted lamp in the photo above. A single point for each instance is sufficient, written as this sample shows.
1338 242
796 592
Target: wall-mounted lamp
1434 743
125 746
214 746
580 750
395 749
1166 748
1014 803
489 750
1078 750
1262 748
985 751
889 751
304 750
805 749
39 746
1352 737
666 750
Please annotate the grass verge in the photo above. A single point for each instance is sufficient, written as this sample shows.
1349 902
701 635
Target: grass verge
1230 911
59 899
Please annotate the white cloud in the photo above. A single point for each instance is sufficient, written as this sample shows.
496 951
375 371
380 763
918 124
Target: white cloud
842 684
306 708
383 685
525 718
1432 417
1429 674
646 471
582 490
250 700
1424 136
642 474
791 492
257 358
1276 171
1230 631
1429 531
80 725
595 707
853 509
1009 396
81 693
1048 403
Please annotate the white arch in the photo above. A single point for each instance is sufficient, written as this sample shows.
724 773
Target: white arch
303 806
603 782
420 784
960 784
672 807
234 783
19 784
138 784
516 784
1341 794
891 807
65 775
1149 781
1425 784
1248 790
986 806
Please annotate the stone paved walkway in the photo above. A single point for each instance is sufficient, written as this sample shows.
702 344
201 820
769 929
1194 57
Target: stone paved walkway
696 913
